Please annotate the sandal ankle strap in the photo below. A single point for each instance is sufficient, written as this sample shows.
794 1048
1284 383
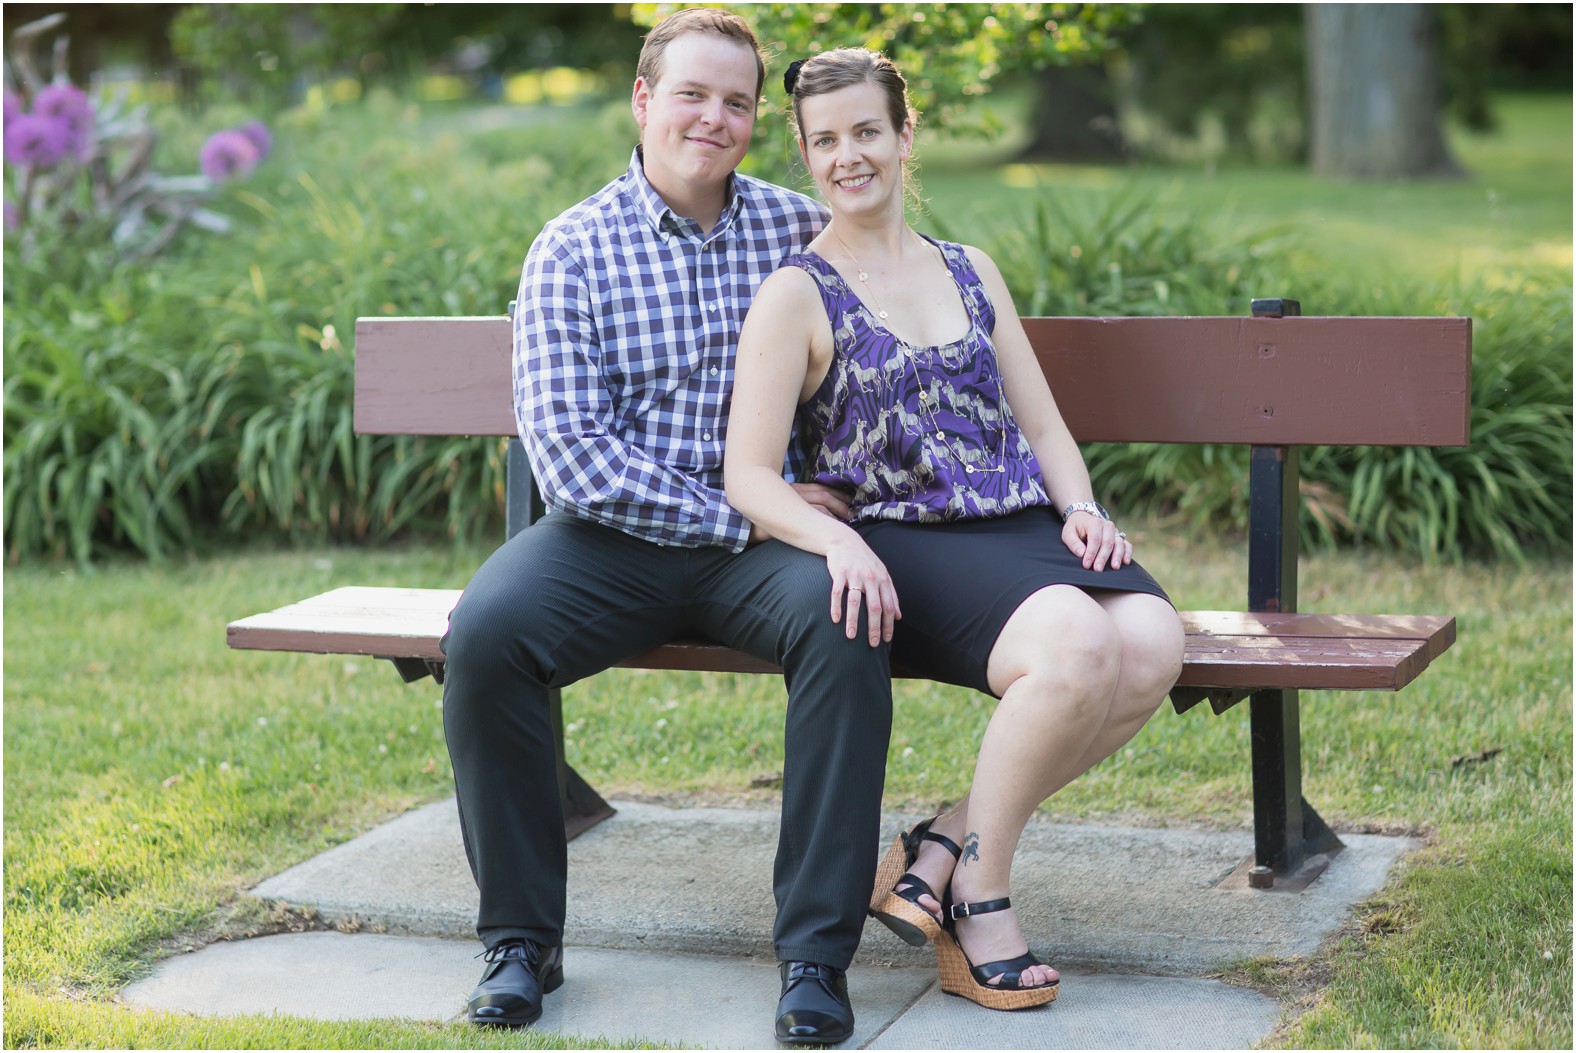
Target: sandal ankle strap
945 842
922 833
959 911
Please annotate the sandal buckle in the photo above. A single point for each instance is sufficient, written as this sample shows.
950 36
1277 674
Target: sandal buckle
959 911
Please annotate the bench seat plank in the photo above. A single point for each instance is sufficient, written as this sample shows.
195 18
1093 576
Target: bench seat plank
1225 649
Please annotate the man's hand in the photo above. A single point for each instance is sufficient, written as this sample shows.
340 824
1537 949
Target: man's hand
828 500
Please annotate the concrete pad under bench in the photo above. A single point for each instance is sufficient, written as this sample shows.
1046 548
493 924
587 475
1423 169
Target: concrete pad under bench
698 880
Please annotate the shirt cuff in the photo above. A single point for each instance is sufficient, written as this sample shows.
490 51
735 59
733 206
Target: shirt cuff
727 526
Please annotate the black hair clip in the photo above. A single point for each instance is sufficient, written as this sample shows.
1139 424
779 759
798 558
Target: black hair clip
791 77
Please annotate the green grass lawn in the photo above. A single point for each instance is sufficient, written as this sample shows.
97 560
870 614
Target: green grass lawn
1510 210
153 775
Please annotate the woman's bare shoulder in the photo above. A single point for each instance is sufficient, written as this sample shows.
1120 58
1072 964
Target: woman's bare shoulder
789 286
982 262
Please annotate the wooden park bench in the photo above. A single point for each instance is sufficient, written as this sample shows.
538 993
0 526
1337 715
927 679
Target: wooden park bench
1274 381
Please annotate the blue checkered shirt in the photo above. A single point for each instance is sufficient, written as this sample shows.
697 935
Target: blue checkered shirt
624 340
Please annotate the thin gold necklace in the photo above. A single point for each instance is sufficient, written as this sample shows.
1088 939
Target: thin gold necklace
907 351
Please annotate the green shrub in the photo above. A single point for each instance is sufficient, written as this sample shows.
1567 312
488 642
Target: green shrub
1121 253
1511 488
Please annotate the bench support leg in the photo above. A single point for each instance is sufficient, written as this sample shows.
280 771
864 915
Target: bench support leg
1291 844
583 806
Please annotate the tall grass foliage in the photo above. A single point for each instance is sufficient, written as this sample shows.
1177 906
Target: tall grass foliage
206 394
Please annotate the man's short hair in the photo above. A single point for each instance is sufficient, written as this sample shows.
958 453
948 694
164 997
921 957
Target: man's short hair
697 20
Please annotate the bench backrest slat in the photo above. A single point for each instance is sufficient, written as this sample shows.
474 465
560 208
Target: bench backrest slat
1266 381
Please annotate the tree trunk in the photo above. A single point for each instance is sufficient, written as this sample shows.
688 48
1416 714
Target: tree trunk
1074 116
1374 92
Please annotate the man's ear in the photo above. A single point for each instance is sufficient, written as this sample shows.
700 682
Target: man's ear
638 100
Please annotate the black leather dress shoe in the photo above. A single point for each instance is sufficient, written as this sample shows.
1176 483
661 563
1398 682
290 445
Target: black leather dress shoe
518 974
814 1008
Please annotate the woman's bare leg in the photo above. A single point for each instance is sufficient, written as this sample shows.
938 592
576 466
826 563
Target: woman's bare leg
1077 682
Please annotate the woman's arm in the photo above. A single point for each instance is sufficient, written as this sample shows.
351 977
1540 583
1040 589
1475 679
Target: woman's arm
784 335
1066 476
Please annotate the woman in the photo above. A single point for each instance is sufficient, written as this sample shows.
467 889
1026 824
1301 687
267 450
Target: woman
901 356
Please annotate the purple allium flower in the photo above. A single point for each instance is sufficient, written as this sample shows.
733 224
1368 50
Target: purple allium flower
13 106
36 140
260 137
68 103
228 155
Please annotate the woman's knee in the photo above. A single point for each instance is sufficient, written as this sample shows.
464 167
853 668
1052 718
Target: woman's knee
1062 639
1153 643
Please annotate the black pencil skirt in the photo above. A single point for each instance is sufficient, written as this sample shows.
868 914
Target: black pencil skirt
959 582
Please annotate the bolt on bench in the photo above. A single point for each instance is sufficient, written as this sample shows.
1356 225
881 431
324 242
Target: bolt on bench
1274 382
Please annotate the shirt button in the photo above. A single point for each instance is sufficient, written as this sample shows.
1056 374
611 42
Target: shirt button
715 371
706 436
712 308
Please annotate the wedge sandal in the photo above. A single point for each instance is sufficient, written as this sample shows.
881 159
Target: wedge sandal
899 909
961 977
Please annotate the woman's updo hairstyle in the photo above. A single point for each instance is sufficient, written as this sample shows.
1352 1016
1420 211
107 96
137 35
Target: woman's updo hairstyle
835 70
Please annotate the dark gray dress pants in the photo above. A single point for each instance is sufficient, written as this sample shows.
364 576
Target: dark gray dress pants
565 599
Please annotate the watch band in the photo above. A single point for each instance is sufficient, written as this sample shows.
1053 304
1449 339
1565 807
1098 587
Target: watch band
1094 508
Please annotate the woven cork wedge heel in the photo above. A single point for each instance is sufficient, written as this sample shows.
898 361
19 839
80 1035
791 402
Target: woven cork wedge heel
961 977
900 911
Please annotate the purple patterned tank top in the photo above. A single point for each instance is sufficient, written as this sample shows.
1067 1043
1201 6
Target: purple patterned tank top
920 434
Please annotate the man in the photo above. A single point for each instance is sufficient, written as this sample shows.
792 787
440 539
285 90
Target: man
629 311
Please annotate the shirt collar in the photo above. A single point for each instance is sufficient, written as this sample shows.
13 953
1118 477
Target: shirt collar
663 219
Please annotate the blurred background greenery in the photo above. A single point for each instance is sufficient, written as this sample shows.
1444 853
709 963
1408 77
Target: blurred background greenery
1115 159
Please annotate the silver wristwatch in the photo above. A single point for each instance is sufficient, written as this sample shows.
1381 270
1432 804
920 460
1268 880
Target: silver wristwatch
1094 508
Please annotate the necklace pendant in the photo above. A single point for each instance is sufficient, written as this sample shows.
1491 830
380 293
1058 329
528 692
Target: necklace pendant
970 469
941 436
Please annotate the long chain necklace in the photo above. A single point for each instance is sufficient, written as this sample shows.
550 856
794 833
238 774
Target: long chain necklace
907 351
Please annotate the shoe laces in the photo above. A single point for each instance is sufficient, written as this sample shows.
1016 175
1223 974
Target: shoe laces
811 970
511 950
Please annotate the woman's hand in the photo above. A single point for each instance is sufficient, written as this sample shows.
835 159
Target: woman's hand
860 579
1097 541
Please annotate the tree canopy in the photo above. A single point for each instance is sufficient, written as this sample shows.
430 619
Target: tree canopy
949 53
